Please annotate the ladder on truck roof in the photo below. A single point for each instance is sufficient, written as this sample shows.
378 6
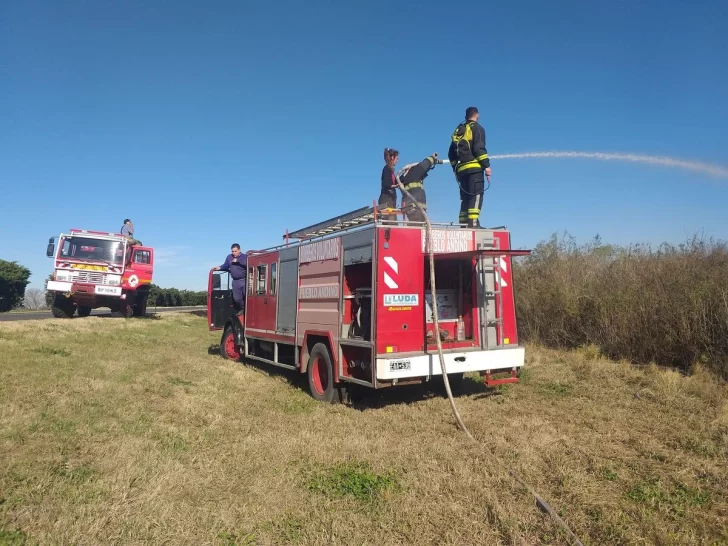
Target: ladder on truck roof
355 218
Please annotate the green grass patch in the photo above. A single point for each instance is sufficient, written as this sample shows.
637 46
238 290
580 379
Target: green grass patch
556 390
354 480
15 537
54 351
659 496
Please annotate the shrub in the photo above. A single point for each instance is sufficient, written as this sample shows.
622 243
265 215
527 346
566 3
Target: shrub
668 306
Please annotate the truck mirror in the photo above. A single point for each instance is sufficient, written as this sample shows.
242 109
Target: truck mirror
50 249
216 282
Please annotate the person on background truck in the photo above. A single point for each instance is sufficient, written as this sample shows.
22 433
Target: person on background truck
469 159
413 181
236 264
127 230
388 195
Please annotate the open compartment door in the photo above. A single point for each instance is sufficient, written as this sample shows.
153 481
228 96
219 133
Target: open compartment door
496 298
475 300
219 299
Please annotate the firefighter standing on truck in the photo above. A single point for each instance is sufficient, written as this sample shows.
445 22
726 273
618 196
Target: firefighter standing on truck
388 195
413 181
469 159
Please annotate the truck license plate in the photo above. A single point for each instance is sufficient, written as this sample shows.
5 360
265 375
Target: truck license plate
111 290
398 365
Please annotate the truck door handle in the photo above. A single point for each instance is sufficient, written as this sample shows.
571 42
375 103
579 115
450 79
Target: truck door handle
265 300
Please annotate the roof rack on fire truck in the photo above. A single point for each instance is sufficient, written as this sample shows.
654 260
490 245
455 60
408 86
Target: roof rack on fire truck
92 232
355 218
351 220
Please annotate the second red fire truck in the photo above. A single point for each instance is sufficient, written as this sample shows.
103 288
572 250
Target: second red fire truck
350 303
99 269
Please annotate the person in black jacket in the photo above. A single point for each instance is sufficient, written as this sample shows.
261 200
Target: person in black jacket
413 181
469 160
388 195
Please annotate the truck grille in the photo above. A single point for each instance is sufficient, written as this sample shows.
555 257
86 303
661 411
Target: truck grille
91 277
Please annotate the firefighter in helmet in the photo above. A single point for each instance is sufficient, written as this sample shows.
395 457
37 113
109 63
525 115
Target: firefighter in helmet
388 195
413 180
469 160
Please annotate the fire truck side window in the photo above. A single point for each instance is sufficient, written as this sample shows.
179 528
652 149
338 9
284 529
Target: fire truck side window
250 281
141 257
261 278
273 279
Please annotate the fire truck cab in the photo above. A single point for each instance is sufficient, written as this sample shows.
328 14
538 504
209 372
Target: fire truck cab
99 269
350 303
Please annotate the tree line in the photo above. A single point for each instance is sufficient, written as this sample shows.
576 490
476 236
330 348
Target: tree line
15 294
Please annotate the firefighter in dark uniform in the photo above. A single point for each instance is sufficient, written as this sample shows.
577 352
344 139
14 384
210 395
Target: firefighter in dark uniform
469 160
388 195
413 181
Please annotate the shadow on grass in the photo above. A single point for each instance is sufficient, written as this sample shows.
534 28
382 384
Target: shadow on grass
363 398
148 316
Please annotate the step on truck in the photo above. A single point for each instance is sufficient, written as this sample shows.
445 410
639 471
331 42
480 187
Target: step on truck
99 269
349 303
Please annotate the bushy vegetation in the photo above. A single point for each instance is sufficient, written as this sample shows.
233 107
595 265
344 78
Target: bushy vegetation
172 297
667 305
13 280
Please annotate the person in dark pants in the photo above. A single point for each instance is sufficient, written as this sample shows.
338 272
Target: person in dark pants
413 181
388 195
236 264
469 160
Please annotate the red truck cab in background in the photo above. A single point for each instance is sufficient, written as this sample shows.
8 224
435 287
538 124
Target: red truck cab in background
99 269
350 303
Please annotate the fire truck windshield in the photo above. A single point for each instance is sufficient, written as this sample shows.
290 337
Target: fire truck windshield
86 248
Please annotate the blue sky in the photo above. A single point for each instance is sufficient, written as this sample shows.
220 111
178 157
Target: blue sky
209 123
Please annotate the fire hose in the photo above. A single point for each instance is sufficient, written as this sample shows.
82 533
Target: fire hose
540 502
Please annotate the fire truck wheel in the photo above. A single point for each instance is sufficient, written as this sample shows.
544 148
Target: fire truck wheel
84 310
62 308
141 309
228 348
126 309
320 373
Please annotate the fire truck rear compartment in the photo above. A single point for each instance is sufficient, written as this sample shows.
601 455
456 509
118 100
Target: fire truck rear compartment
455 283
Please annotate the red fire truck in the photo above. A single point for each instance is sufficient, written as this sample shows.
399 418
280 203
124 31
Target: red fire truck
350 303
99 269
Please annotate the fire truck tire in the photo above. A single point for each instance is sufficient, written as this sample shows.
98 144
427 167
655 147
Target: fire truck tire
84 310
320 371
126 309
62 308
141 309
228 348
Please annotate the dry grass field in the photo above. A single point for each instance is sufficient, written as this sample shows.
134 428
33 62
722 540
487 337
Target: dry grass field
128 432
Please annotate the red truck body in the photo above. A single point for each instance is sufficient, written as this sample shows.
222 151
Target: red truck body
99 269
351 303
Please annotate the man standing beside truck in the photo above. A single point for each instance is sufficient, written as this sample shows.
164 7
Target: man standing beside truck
236 264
